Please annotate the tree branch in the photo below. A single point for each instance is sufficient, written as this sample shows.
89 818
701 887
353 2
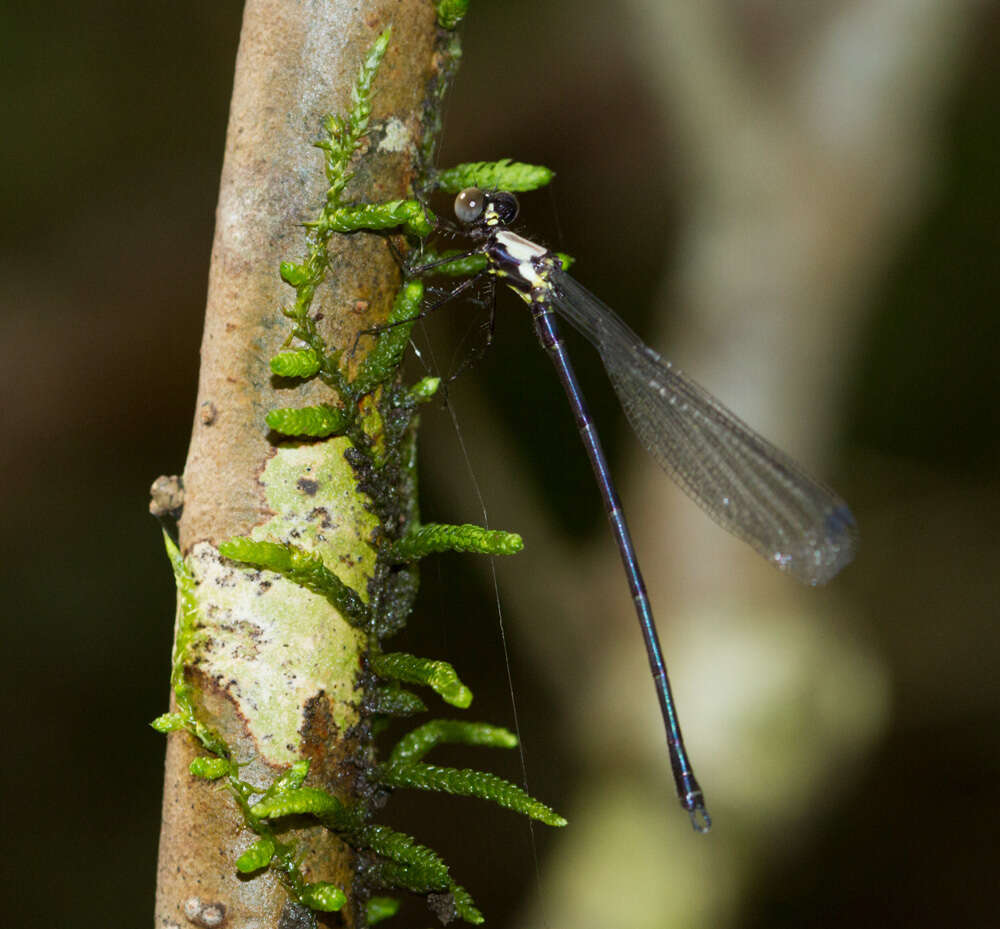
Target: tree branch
271 667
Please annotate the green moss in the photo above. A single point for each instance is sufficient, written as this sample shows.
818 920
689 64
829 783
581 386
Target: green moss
451 12
211 769
305 363
317 422
411 215
466 782
322 896
257 856
300 567
186 628
432 538
382 362
417 743
299 800
438 675
393 701
379 908
504 174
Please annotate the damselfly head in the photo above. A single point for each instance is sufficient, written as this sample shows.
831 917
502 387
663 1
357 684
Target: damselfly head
474 207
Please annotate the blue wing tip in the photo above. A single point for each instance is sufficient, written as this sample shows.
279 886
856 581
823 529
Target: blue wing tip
823 553
840 541
840 522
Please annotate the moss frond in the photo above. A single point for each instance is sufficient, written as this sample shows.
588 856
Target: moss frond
413 746
383 360
211 768
379 908
303 568
292 779
341 139
413 867
438 675
168 722
257 856
323 896
415 218
294 274
392 701
304 363
462 265
317 422
300 800
424 389
451 12
434 538
504 174
403 849
465 907
469 265
466 782
344 133
187 622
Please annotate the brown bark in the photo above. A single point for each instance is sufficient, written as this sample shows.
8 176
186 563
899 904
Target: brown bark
297 61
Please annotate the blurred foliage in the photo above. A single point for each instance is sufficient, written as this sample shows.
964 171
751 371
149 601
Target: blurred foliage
928 385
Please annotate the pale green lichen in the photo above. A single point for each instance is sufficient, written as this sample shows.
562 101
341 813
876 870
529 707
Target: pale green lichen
277 645
395 136
312 491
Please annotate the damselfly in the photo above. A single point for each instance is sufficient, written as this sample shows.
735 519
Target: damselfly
744 483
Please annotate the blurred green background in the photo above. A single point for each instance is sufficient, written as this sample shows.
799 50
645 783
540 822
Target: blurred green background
115 118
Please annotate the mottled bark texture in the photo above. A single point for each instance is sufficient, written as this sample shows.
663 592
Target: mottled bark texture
259 673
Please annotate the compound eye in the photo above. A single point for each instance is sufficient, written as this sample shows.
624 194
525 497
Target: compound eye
505 206
469 205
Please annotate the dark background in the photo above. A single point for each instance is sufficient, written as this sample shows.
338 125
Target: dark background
114 119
